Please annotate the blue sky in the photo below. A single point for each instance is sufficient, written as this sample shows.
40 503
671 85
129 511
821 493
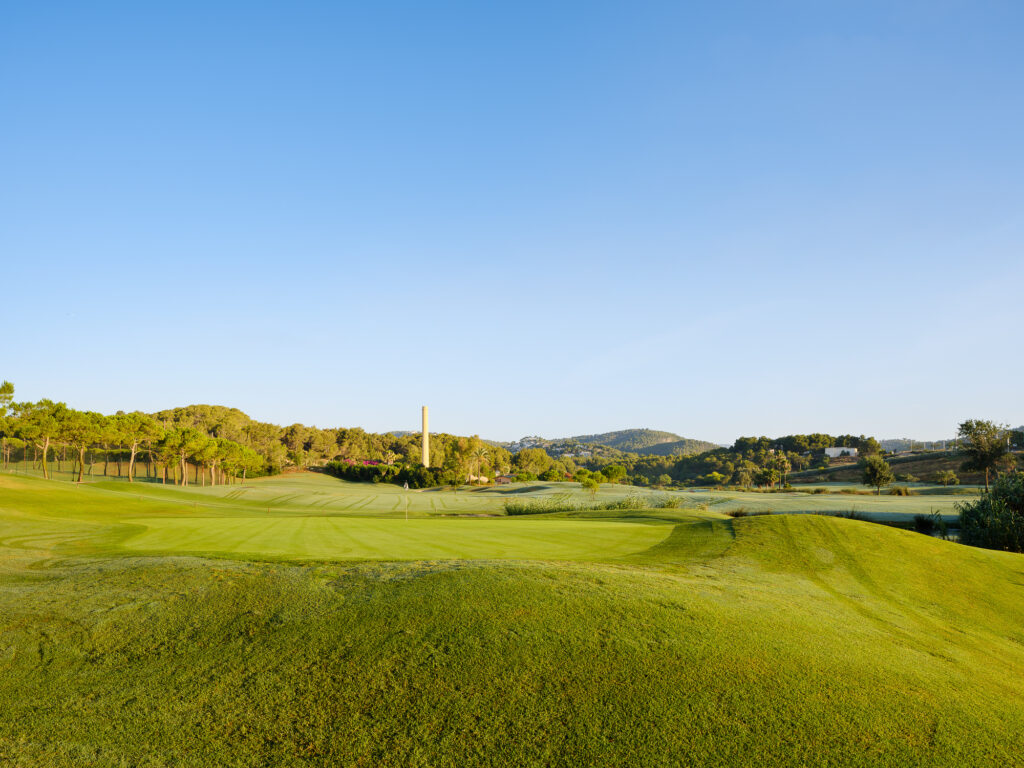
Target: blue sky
538 218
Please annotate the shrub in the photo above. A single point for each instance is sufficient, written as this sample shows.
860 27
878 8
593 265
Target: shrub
900 490
563 503
930 524
633 501
559 503
947 477
417 476
924 523
744 512
666 502
996 520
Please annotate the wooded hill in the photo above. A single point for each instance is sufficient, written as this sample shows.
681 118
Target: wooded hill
614 445
648 442
196 443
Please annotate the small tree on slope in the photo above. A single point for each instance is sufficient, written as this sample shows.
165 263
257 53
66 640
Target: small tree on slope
877 472
985 444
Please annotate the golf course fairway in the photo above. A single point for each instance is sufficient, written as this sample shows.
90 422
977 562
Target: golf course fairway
157 626
338 538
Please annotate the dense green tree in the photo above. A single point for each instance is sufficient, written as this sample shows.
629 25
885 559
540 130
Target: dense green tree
134 430
183 443
532 460
947 477
780 462
322 444
38 424
614 472
479 453
984 443
205 457
876 472
6 420
6 396
81 430
768 477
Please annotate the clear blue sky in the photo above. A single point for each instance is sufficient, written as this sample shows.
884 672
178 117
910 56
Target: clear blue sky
716 218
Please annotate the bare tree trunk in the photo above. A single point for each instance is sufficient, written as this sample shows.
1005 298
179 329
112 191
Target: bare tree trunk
81 463
131 462
106 458
46 450
119 460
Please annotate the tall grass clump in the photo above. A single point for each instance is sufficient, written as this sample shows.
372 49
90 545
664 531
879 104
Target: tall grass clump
563 503
544 506
931 525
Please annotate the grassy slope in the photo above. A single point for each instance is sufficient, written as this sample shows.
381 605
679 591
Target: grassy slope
770 640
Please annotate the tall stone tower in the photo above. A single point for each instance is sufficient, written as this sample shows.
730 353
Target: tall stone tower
426 440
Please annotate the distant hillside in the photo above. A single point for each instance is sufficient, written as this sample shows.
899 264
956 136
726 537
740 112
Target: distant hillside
682 447
632 440
614 444
648 442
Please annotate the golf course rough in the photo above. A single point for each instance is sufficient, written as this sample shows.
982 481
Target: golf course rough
668 637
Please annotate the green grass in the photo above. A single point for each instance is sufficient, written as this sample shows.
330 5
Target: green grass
343 538
670 637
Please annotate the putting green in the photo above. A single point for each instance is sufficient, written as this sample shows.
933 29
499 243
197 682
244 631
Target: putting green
348 538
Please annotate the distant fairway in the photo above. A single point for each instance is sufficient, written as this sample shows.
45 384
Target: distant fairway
315 517
320 627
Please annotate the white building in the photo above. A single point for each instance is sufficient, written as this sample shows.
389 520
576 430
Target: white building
835 453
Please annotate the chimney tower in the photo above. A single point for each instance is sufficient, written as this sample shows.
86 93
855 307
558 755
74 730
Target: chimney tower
426 440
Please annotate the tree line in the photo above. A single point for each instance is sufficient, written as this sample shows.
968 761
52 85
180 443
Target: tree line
44 433
210 444
749 461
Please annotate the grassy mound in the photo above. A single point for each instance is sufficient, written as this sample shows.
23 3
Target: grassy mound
781 640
